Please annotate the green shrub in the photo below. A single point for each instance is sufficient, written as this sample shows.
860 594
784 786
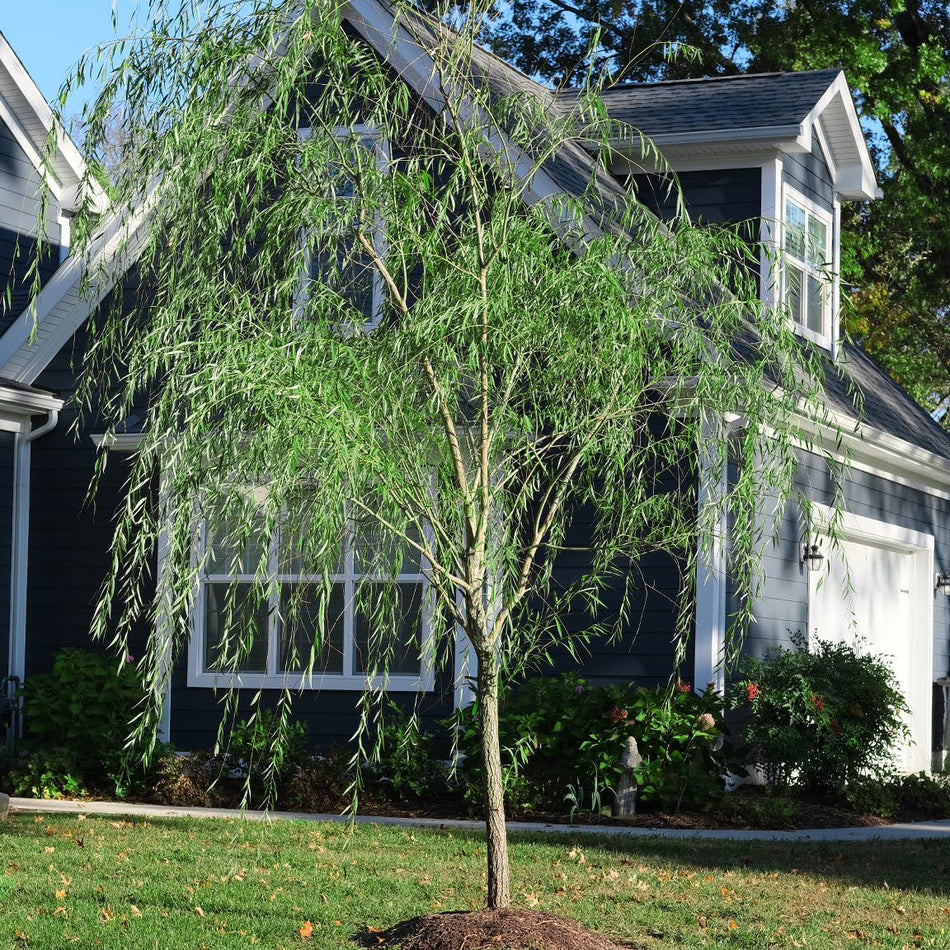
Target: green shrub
757 808
265 748
906 796
560 735
403 764
819 717
78 722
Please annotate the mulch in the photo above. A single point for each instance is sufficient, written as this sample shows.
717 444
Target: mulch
515 928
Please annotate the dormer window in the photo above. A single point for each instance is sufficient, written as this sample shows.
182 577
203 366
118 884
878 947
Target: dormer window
808 286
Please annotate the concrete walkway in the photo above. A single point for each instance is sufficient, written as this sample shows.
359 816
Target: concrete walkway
908 831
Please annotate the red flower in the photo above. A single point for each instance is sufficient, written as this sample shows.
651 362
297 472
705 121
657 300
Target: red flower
752 690
684 688
618 715
819 703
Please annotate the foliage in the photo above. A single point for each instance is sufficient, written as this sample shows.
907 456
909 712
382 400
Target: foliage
78 719
404 764
48 773
528 359
821 714
265 748
320 784
768 808
563 739
915 796
896 253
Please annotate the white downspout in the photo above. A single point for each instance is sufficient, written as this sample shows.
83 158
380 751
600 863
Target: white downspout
20 554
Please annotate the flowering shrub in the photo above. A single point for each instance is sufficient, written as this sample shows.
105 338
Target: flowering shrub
559 733
819 717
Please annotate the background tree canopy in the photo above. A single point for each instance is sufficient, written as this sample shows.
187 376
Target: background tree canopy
896 55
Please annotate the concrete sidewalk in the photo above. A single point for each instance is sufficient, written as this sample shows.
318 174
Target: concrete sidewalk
908 831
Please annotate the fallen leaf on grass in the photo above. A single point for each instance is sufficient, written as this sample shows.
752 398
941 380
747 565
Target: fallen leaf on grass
305 930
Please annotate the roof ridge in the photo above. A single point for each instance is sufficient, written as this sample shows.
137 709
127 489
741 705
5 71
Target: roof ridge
620 87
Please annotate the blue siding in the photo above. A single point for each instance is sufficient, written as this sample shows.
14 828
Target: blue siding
808 174
726 196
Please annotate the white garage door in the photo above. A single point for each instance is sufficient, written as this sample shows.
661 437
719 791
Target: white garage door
875 593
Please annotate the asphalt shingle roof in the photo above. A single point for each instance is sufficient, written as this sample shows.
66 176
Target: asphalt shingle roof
719 104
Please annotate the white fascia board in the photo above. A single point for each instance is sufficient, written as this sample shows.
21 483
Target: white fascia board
61 307
856 180
16 401
395 43
35 120
865 448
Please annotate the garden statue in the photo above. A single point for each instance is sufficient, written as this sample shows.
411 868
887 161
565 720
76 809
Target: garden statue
626 803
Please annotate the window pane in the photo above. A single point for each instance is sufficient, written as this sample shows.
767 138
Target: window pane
235 628
817 242
311 628
388 634
235 555
346 272
816 305
294 558
378 552
794 291
794 230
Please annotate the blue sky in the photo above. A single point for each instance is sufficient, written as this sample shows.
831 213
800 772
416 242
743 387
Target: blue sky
50 35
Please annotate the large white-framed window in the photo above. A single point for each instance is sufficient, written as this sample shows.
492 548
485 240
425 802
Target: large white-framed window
332 257
809 284
304 630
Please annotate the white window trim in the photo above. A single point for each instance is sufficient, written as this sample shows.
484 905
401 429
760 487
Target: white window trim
831 220
383 160
198 676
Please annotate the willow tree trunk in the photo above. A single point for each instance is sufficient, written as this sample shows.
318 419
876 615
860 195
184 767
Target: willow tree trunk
499 888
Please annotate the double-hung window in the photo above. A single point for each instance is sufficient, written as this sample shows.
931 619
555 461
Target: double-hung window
300 629
333 256
808 282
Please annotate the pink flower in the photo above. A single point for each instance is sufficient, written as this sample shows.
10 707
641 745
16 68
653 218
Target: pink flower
618 715
706 722
129 658
579 689
684 688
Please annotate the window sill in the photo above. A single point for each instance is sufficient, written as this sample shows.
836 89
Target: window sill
397 683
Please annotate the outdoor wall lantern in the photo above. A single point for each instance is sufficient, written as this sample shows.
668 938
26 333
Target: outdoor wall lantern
812 558
942 584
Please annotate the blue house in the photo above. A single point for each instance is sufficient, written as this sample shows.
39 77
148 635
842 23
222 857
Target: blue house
777 154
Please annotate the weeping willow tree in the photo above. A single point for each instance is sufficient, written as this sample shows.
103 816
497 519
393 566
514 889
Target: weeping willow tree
383 361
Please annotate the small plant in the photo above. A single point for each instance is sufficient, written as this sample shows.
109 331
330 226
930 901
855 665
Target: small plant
48 773
576 799
819 715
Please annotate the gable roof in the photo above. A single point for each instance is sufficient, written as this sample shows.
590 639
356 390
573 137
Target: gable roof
28 116
757 111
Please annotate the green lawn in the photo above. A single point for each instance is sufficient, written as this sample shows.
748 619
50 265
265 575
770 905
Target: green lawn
66 882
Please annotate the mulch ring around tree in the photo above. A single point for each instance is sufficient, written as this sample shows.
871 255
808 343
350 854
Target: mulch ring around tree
515 928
